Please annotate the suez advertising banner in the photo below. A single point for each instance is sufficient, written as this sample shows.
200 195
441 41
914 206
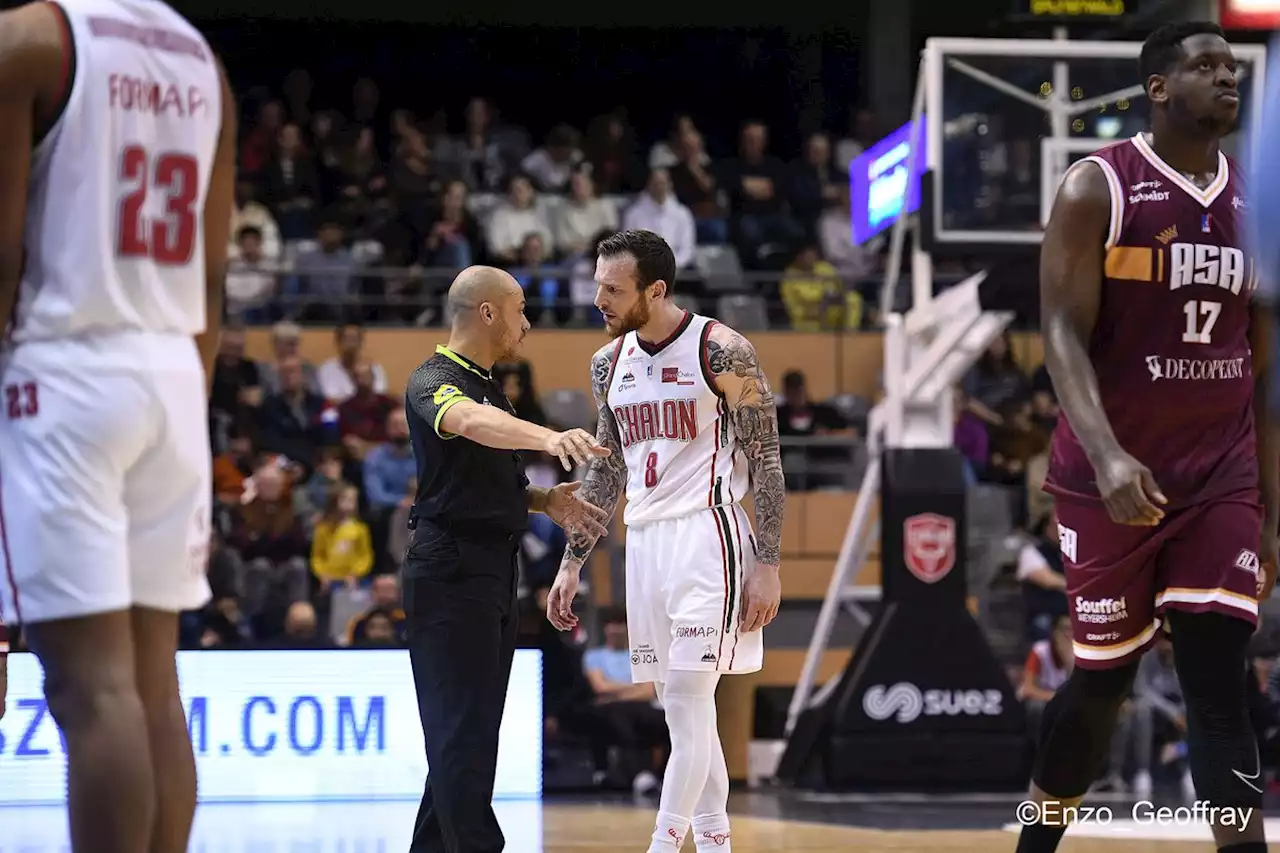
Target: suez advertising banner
947 688
905 703
285 726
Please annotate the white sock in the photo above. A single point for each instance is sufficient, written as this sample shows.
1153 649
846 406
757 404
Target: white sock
711 832
689 699
710 817
669 834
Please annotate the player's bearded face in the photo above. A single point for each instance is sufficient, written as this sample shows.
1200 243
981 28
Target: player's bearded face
634 319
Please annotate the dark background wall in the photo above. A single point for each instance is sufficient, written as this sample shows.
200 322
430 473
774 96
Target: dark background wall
540 76
799 66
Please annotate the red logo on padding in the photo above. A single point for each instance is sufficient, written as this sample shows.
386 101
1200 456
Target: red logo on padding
929 545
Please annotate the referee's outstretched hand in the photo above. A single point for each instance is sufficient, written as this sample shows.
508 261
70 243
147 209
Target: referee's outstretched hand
574 447
575 515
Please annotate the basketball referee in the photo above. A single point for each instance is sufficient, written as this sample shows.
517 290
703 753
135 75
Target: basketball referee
459 574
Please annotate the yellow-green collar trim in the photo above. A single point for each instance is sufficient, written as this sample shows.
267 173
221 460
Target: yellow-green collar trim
443 350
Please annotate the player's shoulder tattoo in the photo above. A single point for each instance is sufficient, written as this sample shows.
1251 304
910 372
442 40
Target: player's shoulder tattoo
602 366
730 352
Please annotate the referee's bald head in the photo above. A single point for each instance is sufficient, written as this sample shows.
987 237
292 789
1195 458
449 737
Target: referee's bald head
476 286
487 303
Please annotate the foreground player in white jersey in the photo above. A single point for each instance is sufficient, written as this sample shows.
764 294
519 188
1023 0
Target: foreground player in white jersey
116 178
688 414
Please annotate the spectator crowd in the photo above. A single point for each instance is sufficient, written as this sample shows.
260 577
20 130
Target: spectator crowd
339 216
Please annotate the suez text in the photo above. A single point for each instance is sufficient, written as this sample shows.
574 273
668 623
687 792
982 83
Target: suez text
905 702
301 725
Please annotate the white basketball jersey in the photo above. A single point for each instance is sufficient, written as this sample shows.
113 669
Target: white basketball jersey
681 451
114 235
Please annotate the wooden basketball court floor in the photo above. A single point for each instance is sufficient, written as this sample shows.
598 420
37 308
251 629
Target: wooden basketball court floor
582 826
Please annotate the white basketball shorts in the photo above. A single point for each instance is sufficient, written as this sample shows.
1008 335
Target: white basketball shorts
105 477
685 578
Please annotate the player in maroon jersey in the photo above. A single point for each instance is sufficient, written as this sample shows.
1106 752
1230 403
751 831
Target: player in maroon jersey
1162 464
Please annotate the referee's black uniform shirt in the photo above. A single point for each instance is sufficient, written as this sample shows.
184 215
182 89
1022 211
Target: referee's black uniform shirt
459 581
462 485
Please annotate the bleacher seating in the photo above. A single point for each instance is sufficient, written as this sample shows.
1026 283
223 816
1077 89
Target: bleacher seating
720 269
854 408
745 312
569 408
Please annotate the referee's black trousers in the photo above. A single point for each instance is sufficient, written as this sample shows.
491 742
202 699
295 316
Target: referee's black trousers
460 604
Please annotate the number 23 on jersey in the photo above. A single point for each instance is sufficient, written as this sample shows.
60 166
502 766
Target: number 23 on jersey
21 400
170 238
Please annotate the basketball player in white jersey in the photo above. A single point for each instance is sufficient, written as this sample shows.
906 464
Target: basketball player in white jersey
117 139
688 414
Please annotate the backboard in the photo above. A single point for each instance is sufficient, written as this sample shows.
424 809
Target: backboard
1006 117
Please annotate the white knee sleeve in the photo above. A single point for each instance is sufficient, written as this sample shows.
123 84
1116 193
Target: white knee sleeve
689 699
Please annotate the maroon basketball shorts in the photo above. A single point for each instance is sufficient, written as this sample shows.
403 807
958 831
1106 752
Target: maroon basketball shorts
1120 579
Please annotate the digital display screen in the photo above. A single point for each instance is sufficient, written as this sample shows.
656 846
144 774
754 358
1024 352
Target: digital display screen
1077 8
285 726
880 189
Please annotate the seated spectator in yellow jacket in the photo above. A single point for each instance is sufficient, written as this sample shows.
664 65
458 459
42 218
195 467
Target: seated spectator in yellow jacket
815 297
342 549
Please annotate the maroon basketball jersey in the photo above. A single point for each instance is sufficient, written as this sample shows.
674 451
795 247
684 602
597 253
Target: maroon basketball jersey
1171 345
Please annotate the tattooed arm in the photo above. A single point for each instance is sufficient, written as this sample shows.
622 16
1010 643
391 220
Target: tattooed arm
736 370
606 477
